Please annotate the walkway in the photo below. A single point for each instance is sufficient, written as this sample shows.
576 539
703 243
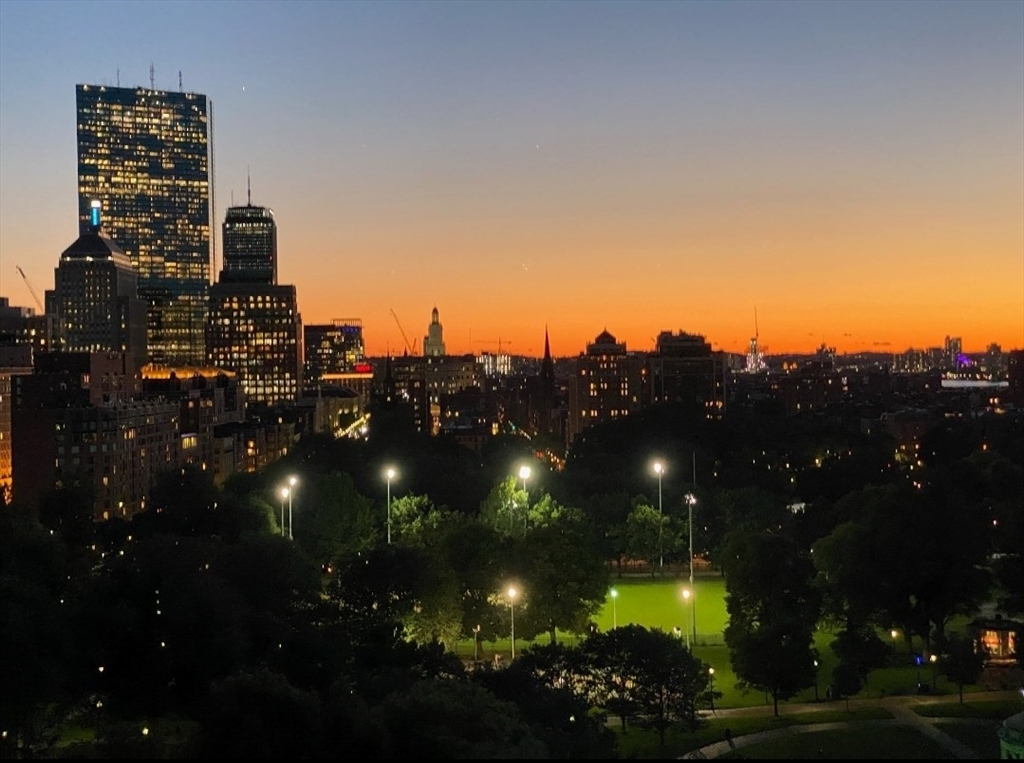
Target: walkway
900 707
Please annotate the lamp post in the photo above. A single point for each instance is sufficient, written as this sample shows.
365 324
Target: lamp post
691 501
615 617
284 494
711 675
815 680
476 643
894 633
524 474
390 474
934 660
512 606
291 491
658 469
686 598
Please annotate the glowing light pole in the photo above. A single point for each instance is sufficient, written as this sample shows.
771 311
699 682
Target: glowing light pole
658 469
284 494
390 474
512 606
686 598
524 474
291 491
894 633
691 501
711 675
615 617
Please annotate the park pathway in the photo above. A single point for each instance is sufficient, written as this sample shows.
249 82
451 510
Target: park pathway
899 706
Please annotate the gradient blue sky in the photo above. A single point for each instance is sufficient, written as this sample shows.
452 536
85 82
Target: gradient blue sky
855 170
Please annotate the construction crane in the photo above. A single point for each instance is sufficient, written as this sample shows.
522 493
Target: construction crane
410 348
498 342
31 288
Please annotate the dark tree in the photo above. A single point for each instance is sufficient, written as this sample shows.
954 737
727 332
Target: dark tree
962 660
647 675
773 610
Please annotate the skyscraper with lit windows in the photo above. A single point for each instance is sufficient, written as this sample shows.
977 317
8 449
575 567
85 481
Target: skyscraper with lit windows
145 155
250 244
255 329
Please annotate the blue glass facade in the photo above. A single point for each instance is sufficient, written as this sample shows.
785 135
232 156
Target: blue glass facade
145 156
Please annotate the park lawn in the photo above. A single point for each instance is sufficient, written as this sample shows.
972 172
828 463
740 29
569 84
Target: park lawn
882 743
658 603
979 735
989 709
643 743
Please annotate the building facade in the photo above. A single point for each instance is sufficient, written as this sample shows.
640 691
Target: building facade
249 238
255 331
607 383
433 342
96 298
332 348
145 155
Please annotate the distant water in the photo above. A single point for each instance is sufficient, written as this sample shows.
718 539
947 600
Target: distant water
973 383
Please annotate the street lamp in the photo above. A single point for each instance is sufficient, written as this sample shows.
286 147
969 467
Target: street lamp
686 598
894 633
291 491
285 492
615 617
512 606
524 474
476 643
711 675
691 501
934 660
658 469
815 680
390 474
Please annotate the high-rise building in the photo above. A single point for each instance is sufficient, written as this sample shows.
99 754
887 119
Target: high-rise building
607 383
250 244
332 348
145 155
433 342
254 328
96 297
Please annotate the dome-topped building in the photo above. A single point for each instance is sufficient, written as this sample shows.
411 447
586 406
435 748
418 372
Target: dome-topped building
433 342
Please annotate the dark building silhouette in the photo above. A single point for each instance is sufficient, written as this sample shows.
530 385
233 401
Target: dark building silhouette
96 298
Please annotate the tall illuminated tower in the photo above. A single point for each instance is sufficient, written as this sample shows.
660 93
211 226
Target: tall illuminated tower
255 328
250 244
145 155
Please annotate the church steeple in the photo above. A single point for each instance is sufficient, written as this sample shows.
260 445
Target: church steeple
547 368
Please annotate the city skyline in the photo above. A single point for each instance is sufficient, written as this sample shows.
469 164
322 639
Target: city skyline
855 171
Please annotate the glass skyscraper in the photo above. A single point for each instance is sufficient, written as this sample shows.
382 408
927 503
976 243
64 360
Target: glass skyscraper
145 155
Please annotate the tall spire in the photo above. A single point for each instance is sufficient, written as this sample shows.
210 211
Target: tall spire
248 185
547 369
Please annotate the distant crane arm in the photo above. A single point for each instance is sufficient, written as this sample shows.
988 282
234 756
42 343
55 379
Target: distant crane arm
32 289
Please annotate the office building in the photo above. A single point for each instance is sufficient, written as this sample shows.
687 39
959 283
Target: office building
255 330
250 245
145 155
607 383
332 348
96 297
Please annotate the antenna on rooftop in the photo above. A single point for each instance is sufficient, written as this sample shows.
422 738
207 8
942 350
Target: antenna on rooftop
248 186
119 75
152 76
180 89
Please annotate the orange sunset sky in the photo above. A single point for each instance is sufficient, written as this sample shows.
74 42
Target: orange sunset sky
854 171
